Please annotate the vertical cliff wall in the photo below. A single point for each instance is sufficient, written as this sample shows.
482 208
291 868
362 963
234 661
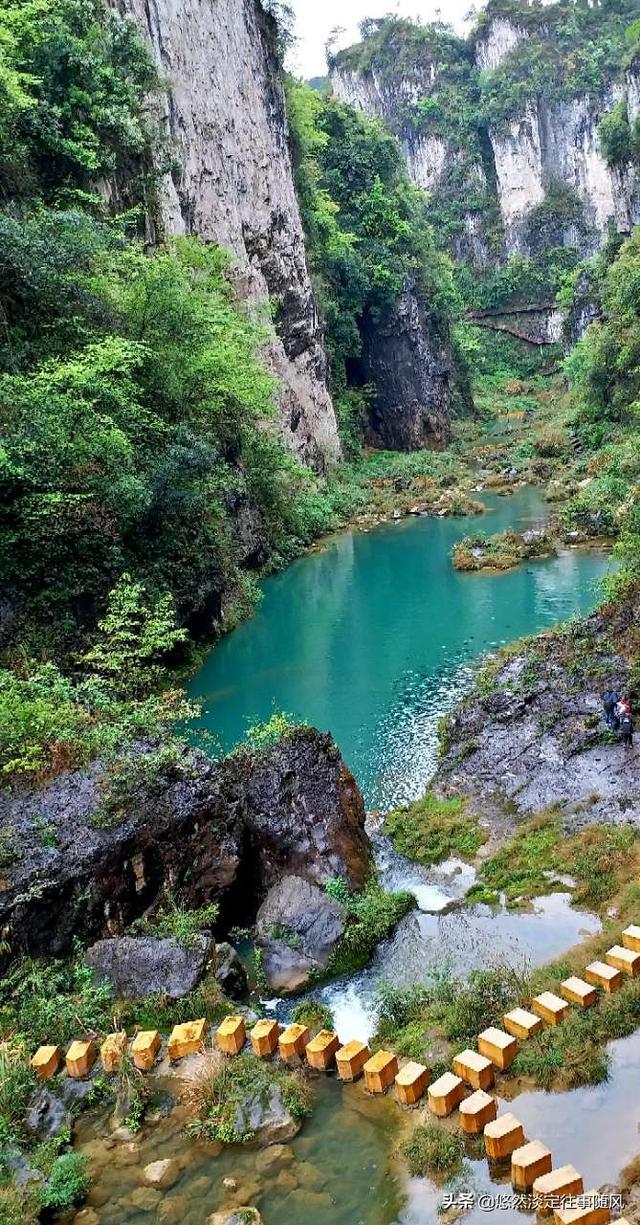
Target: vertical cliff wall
442 103
224 112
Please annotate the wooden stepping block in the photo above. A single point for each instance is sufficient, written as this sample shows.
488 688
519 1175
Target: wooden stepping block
46 1061
624 959
476 1111
591 1212
380 1071
445 1094
231 1035
411 1083
631 938
602 975
144 1048
112 1050
499 1047
550 1007
528 1163
264 1038
351 1058
503 1137
558 1185
476 1070
578 992
321 1050
293 1041
522 1024
187 1039
80 1058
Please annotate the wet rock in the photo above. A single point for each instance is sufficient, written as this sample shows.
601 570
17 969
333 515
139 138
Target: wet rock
146 1199
202 829
19 1168
230 1184
267 1117
161 1174
274 1158
174 1209
298 926
236 1216
137 966
230 971
86 1216
46 1115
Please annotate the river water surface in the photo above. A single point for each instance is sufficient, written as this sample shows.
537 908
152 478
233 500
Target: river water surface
373 639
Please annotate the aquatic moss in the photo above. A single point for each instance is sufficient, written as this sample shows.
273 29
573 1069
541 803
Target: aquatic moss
430 829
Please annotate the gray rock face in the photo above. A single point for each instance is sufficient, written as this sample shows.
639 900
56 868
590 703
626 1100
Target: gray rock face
297 926
230 971
266 1117
46 1115
225 117
538 738
140 965
410 365
209 831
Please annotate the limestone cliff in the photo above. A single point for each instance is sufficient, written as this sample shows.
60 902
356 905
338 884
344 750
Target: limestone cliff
494 176
224 113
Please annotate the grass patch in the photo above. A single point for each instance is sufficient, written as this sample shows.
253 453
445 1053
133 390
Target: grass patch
371 915
600 858
430 829
314 1014
502 551
218 1096
431 1149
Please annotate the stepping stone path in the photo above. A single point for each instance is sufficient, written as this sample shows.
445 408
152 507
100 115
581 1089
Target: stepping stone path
504 1137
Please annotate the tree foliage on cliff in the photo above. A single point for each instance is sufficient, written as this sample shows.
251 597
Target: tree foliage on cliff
366 225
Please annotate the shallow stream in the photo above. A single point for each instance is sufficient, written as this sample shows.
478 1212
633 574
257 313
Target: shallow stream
372 638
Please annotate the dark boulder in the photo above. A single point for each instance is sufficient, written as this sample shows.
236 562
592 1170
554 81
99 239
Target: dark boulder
230 971
298 926
46 1115
208 831
140 965
407 357
305 813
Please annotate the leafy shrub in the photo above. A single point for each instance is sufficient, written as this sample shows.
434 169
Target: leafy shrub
277 727
67 1184
371 915
173 920
53 1001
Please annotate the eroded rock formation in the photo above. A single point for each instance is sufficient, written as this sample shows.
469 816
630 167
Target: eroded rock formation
207 831
224 115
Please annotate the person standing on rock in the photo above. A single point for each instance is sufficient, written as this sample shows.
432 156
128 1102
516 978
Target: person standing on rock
626 727
610 701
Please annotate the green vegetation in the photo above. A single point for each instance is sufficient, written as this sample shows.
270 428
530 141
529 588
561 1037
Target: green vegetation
313 1013
502 551
371 915
367 236
432 828
432 1150
599 858
173 920
225 1085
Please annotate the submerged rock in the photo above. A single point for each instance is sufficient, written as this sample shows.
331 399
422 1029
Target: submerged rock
210 831
236 1216
141 965
162 1174
298 926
